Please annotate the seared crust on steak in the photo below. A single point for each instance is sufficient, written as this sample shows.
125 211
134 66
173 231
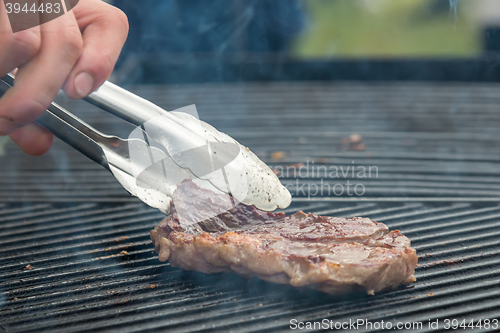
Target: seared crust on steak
334 255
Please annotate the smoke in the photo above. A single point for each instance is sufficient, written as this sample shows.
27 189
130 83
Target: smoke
454 11
3 141
453 6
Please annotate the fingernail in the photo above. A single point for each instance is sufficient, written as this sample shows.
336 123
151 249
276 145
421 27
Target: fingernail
83 84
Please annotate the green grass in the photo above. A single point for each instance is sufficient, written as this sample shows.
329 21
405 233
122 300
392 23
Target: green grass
386 28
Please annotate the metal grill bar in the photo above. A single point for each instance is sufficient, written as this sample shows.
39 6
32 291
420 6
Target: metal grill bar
462 278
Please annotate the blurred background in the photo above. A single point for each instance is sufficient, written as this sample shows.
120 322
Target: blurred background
199 41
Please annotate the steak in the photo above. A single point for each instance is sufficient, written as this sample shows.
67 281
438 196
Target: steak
331 254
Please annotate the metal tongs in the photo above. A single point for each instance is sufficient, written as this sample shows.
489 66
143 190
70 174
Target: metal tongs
165 149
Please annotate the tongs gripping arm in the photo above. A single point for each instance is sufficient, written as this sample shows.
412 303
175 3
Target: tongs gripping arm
66 127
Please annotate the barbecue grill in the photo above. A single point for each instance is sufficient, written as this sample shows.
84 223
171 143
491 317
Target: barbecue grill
75 253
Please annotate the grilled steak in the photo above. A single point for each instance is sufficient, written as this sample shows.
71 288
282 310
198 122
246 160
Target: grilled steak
331 254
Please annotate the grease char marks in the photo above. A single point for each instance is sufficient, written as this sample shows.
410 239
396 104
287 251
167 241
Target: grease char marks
310 227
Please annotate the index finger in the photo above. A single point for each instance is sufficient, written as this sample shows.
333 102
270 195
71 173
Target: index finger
16 49
39 80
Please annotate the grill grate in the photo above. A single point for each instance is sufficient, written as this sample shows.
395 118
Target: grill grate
436 149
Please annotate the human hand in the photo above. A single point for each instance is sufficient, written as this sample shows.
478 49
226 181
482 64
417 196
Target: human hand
76 51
